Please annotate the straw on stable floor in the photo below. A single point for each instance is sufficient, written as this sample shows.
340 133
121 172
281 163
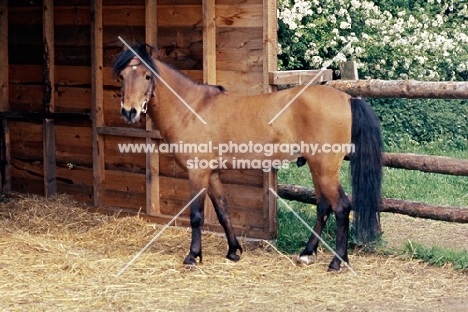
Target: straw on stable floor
56 256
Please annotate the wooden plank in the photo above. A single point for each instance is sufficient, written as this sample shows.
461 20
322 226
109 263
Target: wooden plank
152 159
4 103
96 104
72 99
240 15
73 76
27 15
180 15
26 97
240 59
127 200
129 132
26 141
297 77
239 38
124 15
118 160
270 202
74 145
72 15
209 42
125 181
25 74
49 159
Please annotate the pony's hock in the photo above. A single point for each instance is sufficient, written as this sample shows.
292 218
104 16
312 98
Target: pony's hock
320 114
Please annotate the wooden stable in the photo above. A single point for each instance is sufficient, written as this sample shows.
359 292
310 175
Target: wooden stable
60 103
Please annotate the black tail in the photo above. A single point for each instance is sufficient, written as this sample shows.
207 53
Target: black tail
366 170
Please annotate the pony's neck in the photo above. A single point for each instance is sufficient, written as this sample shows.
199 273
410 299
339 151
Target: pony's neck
170 111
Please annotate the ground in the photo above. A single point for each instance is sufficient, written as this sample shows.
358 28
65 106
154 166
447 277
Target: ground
54 255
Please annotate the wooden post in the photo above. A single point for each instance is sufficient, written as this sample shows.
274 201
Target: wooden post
97 113
152 159
4 102
270 63
349 71
48 102
209 42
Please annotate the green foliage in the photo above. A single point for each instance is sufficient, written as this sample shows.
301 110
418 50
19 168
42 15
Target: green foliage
423 122
438 256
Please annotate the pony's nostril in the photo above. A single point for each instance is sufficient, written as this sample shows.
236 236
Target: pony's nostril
133 113
128 115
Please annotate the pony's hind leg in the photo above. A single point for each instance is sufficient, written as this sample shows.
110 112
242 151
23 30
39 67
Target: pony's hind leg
198 180
308 255
219 202
343 208
330 197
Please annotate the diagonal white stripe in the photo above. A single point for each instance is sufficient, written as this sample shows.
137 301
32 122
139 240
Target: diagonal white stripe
163 81
312 230
157 235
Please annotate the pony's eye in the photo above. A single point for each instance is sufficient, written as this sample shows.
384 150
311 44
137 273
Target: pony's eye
148 77
121 77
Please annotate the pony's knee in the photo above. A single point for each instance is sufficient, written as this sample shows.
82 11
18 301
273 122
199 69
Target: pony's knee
197 219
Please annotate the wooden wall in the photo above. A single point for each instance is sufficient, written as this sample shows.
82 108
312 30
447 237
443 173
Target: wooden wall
71 45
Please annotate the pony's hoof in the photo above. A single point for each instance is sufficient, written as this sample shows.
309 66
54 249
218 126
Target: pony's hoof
305 259
334 271
191 260
233 257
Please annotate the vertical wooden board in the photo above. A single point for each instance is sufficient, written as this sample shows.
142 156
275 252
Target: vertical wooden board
270 42
97 100
209 42
152 159
5 169
50 175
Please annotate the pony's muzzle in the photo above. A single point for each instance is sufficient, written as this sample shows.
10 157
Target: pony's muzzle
130 115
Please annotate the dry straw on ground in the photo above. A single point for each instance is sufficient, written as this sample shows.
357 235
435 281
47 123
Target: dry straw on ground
56 256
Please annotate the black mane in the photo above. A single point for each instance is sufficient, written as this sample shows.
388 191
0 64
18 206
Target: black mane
124 58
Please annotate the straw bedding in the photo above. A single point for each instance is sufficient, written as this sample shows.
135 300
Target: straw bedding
54 255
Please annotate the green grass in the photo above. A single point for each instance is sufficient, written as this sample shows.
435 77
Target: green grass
438 256
419 186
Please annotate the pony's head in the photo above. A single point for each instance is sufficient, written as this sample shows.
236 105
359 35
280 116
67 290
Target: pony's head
138 81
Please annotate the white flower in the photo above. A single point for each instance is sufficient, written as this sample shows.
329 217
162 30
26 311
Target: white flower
345 25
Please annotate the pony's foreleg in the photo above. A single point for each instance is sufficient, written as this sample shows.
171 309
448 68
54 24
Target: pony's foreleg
198 181
343 208
323 211
222 211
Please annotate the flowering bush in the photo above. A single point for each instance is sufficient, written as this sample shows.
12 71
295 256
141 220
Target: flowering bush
400 39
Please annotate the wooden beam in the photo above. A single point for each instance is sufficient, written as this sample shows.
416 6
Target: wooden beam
270 43
4 103
97 109
425 163
270 63
128 132
48 101
298 77
410 89
209 42
152 159
410 208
